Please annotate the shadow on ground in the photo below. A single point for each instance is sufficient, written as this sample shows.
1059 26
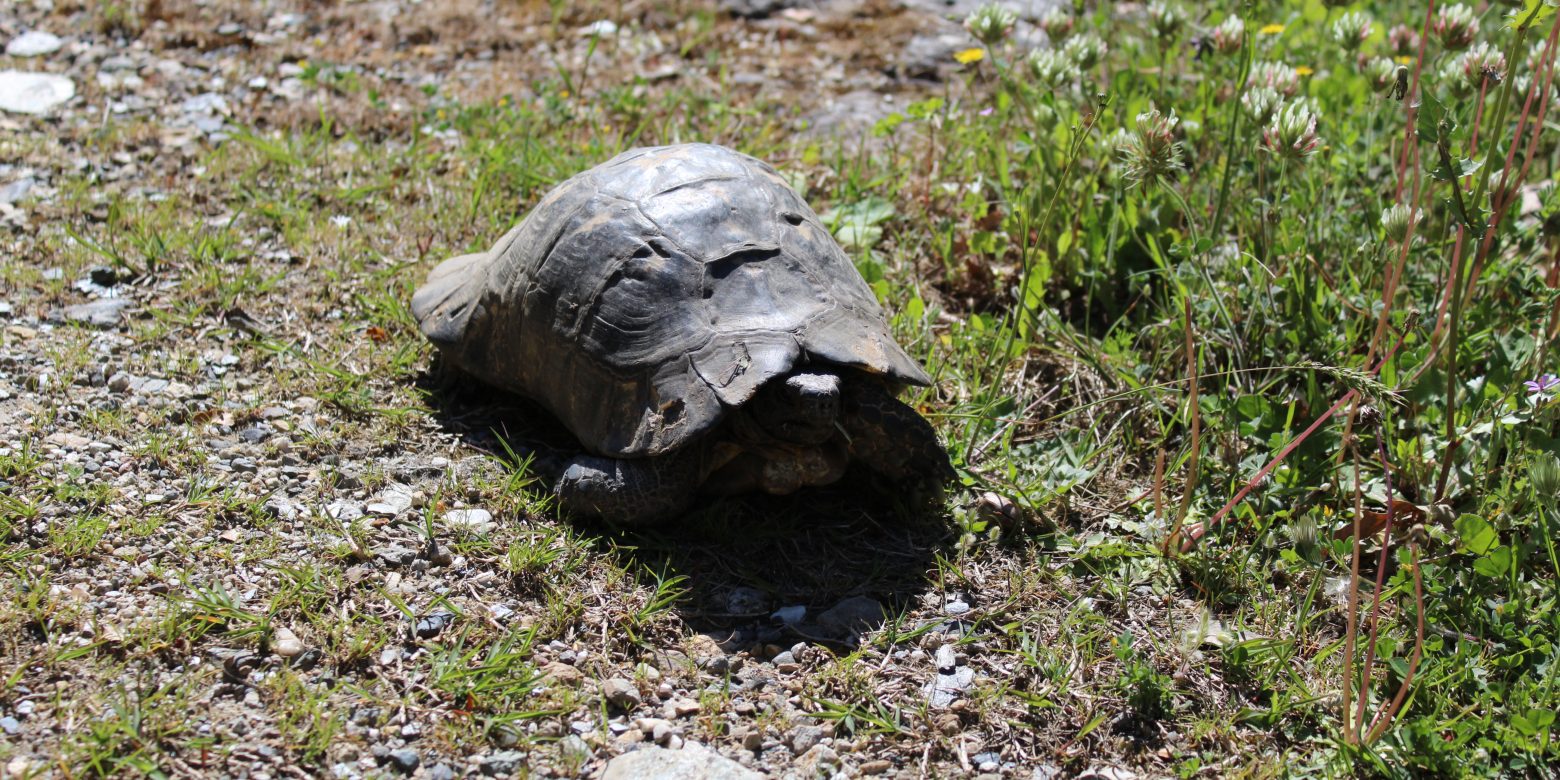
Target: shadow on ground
740 558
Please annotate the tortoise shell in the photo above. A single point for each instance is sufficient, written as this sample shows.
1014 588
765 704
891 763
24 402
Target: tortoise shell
644 298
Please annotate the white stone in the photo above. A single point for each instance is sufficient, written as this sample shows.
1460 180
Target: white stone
33 93
34 43
692 762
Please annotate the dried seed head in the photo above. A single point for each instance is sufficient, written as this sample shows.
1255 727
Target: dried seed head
1351 30
1369 417
1228 37
990 23
1455 26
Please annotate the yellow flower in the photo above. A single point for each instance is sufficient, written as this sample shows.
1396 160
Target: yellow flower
442 115
1403 59
970 55
1303 71
1271 29
563 94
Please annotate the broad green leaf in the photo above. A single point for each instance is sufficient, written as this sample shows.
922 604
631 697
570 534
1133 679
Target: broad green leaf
1459 169
1496 564
1428 119
1477 535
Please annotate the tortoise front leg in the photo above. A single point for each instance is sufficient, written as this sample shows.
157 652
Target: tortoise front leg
629 490
890 438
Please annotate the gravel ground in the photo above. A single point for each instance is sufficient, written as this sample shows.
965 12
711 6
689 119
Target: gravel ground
249 533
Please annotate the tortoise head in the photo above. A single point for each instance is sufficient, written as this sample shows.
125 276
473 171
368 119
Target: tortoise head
802 407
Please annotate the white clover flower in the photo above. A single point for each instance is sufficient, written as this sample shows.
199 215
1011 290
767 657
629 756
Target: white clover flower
1260 103
1052 69
1351 30
1085 50
1228 37
1395 219
990 23
1275 75
1455 26
1291 135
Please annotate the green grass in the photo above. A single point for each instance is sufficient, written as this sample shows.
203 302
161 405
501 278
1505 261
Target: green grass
1131 346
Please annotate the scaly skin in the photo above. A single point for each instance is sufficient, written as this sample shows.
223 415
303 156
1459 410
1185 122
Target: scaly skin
890 438
786 439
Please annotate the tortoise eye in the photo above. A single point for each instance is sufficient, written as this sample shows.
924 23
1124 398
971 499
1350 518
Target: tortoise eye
792 217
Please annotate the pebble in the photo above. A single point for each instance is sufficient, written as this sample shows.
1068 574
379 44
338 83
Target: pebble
804 738
746 601
692 762
621 693
33 93
877 767
391 501
476 521
852 617
432 625
504 763
10 725
404 760
789 615
286 643
562 673
14 192
101 313
33 43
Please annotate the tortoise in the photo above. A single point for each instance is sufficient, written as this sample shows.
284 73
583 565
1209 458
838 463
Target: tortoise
690 320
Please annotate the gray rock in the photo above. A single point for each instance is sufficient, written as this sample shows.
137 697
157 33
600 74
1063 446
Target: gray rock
16 190
205 103
692 762
804 738
101 313
477 521
33 93
504 763
818 761
849 116
432 625
404 760
441 772
944 690
10 725
391 501
574 749
852 617
621 693
754 9
33 43
746 601
789 615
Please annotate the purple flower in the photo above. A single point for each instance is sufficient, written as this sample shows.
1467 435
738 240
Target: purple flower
987 111
1542 383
